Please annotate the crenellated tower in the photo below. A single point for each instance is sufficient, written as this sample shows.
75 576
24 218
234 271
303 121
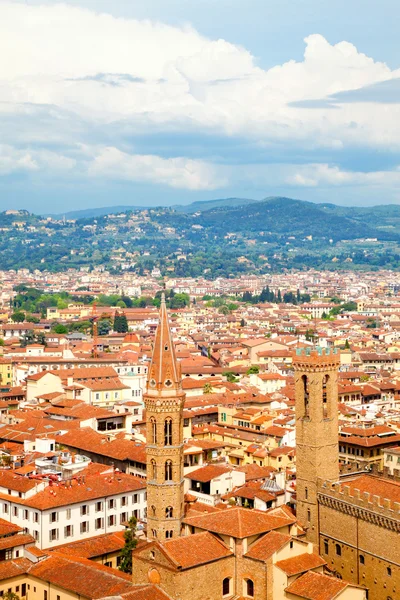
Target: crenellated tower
317 453
164 402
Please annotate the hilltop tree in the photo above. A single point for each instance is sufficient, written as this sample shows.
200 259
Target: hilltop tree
18 317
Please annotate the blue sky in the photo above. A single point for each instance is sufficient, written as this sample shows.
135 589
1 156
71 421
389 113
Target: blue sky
169 101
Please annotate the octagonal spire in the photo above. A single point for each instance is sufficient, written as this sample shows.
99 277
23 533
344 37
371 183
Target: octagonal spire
164 372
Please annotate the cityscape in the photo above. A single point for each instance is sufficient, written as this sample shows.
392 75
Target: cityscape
199 300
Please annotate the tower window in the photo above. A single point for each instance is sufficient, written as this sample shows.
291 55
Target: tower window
169 511
168 470
389 571
169 534
153 430
168 432
306 396
306 493
325 396
153 511
362 559
308 515
326 547
153 469
154 533
338 550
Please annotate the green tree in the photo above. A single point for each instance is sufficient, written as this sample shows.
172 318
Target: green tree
253 370
130 544
32 319
224 310
120 323
207 388
347 345
60 328
230 377
18 317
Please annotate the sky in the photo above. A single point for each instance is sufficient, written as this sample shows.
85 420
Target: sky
126 102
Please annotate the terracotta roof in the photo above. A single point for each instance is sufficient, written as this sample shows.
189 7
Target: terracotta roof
315 586
81 576
7 528
265 547
376 486
13 568
11 541
208 473
196 549
95 486
93 547
240 522
300 564
254 471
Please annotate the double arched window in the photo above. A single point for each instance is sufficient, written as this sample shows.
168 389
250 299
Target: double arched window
168 432
169 512
153 469
168 534
168 470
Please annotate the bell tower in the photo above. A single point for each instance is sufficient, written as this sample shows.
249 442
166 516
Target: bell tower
164 400
317 453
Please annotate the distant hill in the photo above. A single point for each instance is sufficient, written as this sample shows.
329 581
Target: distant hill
205 205
281 215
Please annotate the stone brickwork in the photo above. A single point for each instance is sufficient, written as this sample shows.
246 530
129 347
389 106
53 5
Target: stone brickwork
317 455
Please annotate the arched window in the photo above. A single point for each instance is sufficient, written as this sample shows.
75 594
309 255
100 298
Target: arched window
153 469
226 586
168 470
153 511
325 396
305 395
168 432
250 588
338 550
153 430
169 534
154 533
169 512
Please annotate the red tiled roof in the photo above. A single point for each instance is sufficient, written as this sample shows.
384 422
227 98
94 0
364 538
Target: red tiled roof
265 547
196 549
315 586
240 522
81 576
300 564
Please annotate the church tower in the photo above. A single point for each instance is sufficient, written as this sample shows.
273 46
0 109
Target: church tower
164 402
317 453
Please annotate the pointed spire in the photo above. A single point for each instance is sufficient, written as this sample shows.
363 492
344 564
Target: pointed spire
164 372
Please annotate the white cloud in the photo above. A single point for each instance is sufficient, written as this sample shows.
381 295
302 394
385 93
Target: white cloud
74 75
14 160
173 172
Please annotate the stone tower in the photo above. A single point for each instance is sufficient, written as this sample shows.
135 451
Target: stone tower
317 453
164 401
